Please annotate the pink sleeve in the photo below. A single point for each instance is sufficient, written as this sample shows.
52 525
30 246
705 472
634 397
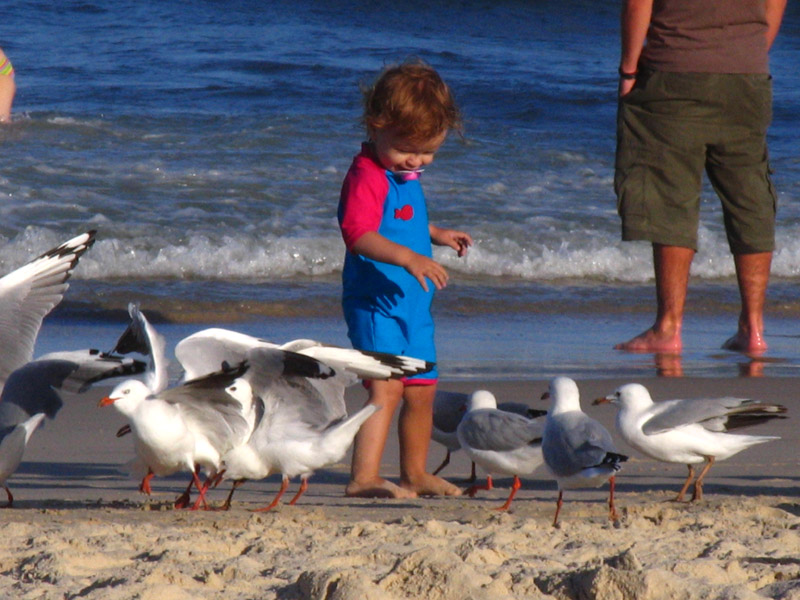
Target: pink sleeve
361 203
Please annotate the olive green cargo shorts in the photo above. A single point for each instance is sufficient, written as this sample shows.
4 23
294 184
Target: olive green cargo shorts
670 128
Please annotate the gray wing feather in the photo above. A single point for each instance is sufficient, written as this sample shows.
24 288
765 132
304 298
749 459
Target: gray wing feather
204 404
448 410
575 442
712 413
489 429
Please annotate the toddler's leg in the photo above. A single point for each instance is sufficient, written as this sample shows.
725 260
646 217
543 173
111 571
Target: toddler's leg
365 479
415 424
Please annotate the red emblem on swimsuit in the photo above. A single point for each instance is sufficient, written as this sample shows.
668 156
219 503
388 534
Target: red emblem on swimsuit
406 213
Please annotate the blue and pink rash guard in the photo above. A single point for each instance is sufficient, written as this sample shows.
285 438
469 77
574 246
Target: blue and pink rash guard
385 307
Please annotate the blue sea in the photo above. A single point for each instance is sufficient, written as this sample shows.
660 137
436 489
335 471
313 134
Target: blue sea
206 142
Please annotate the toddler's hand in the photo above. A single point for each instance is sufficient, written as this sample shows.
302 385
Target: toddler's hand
422 267
460 241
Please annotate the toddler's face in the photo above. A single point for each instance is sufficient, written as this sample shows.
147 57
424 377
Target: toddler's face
397 153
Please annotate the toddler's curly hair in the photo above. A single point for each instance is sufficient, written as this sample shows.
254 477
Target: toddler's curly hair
413 100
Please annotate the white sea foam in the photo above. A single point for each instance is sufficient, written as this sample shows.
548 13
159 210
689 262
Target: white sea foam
250 255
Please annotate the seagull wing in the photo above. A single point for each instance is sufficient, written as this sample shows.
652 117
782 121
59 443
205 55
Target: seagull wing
28 294
715 414
488 429
141 337
364 364
207 407
205 351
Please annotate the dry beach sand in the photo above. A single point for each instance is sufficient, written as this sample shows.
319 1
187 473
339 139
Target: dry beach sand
80 528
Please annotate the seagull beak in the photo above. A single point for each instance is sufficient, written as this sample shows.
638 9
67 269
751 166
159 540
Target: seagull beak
545 396
603 400
107 401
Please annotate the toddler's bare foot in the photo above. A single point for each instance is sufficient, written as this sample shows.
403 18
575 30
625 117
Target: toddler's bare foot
377 488
431 485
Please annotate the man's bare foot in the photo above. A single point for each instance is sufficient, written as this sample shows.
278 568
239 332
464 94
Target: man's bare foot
653 341
431 485
377 488
743 341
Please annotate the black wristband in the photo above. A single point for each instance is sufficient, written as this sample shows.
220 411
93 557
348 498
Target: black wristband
624 75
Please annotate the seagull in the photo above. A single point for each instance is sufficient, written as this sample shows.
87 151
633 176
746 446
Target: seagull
688 431
304 427
30 388
304 424
182 428
500 441
578 450
195 423
186 427
448 409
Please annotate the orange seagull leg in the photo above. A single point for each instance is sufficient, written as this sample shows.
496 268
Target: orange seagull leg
227 504
201 488
144 487
559 502
679 497
514 487
612 511
274 503
698 484
473 489
303 488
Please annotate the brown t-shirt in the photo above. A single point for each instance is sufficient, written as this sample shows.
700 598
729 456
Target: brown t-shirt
707 36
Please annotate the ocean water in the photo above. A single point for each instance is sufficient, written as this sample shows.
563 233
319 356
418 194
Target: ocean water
206 142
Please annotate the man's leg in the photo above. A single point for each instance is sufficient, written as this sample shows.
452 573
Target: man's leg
671 265
752 274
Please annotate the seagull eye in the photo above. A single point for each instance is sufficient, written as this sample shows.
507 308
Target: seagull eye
232 388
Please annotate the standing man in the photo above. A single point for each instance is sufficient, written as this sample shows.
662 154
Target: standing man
696 94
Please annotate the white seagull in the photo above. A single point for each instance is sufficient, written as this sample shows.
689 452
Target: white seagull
688 431
304 424
30 387
448 410
577 449
186 427
499 441
182 428
303 427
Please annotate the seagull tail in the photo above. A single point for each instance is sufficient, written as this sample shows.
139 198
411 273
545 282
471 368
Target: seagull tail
754 414
338 438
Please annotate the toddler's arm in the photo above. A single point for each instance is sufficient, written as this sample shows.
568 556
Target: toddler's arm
377 247
459 241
